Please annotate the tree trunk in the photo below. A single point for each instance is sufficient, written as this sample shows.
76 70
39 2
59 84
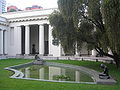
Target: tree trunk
118 63
116 59
115 56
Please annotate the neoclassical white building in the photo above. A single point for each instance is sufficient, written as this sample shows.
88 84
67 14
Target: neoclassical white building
22 31
19 31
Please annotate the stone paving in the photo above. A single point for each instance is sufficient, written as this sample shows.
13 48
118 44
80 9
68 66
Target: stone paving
89 58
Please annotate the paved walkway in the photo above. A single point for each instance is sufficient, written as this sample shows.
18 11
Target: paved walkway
90 58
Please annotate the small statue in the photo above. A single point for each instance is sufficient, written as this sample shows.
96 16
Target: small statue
38 60
104 74
33 49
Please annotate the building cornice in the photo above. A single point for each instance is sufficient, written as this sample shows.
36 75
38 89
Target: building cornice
3 21
29 11
3 24
22 14
25 16
26 19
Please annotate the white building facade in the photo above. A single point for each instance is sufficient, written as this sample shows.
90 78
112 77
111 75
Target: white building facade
28 32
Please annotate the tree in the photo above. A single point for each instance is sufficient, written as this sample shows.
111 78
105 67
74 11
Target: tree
63 31
111 14
103 15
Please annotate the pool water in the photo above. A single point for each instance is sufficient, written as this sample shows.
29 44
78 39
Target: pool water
55 73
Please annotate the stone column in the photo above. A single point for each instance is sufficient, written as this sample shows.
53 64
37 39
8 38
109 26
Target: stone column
5 42
15 40
94 53
41 39
50 40
27 40
60 50
76 50
19 38
1 41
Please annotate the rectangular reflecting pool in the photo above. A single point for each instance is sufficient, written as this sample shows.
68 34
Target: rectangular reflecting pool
55 73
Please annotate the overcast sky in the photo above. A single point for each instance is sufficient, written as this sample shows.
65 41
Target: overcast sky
21 4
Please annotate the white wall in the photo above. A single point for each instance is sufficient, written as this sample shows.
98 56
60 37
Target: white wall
53 50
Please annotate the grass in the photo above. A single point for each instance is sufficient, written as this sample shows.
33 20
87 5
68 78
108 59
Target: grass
7 83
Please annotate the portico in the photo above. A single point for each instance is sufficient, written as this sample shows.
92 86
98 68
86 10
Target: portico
30 33
1 42
3 36
35 37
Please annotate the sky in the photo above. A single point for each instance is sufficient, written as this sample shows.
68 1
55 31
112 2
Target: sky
22 4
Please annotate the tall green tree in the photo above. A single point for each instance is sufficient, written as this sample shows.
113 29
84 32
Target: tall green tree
111 15
63 31
96 22
104 15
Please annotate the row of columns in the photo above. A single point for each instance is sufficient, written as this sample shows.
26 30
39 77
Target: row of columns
16 47
3 41
93 52
41 39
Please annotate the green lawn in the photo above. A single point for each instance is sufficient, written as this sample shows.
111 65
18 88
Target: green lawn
7 83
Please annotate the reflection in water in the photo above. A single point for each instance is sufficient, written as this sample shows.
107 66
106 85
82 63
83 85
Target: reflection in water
77 77
55 73
27 72
41 73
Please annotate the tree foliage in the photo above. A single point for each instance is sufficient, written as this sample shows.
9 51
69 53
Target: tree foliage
96 22
111 14
63 31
